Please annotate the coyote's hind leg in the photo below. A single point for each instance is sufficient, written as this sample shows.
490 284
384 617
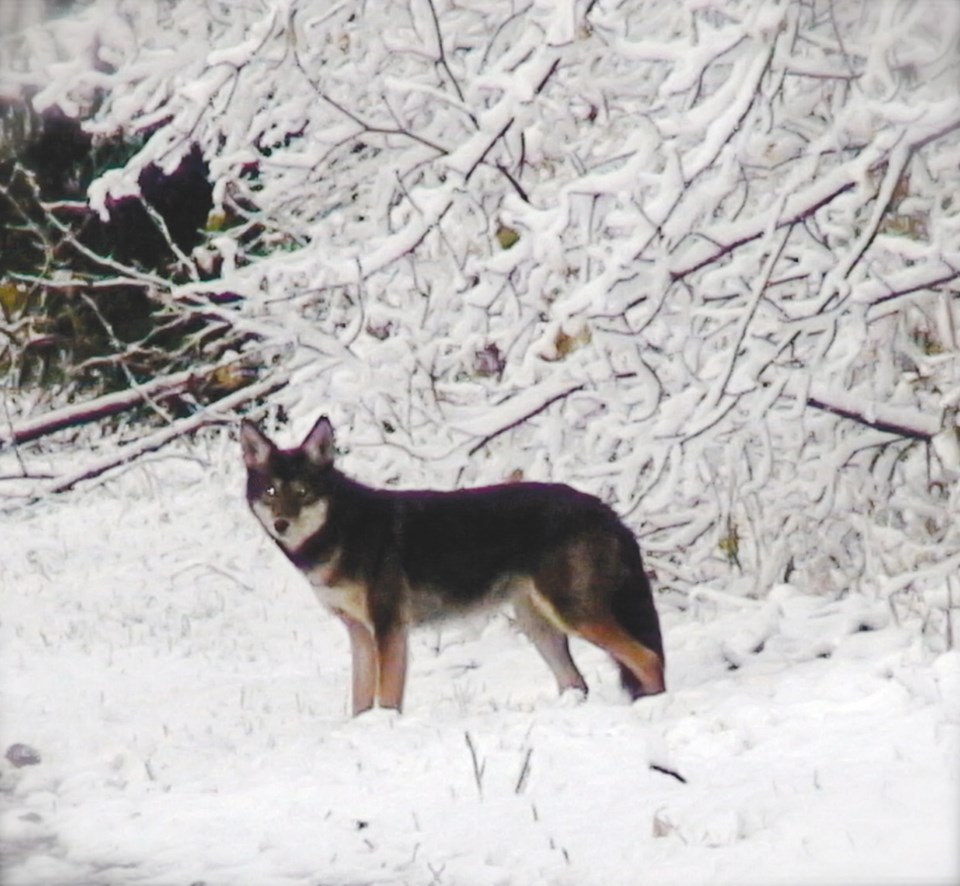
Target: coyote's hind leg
551 643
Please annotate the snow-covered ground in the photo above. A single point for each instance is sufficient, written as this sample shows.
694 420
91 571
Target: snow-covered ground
187 698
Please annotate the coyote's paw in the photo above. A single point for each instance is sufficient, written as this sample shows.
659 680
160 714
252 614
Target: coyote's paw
572 697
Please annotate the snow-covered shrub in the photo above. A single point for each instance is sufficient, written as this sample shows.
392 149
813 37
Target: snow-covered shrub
700 258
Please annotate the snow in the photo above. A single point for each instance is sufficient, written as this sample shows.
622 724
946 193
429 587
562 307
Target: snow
187 698
714 197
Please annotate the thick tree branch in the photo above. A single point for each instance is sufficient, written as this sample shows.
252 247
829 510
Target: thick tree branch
101 407
217 413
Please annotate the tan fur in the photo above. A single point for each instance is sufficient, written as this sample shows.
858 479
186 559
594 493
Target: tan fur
644 663
344 596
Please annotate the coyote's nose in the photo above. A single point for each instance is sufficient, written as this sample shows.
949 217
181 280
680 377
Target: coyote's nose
281 525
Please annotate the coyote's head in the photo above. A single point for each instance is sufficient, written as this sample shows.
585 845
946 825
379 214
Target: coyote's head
288 489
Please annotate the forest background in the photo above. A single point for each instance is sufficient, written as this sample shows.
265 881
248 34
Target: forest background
700 259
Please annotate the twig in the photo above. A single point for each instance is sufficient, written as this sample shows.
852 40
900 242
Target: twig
478 767
405 132
542 84
524 772
951 636
16 450
161 224
760 287
797 216
666 771
359 121
442 60
117 345
822 193
896 166
884 418
519 421
521 191
910 289
503 131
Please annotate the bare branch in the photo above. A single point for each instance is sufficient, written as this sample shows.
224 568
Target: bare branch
217 413
556 398
879 416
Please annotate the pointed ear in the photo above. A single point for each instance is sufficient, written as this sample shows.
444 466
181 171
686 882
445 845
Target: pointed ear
318 444
256 446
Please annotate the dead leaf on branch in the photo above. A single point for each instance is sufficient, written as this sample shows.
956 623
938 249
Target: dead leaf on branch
565 343
507 237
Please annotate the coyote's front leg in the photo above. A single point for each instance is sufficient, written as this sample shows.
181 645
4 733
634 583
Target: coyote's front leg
392 650
390 628
365 666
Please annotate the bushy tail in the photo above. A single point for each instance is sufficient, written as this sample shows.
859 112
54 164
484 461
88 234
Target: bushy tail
634 609
628 680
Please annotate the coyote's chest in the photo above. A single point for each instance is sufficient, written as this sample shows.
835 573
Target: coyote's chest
339 594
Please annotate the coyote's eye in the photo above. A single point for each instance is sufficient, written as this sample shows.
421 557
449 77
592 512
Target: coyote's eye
270 492
299 490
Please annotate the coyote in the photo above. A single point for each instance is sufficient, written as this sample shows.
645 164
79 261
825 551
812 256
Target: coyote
385 560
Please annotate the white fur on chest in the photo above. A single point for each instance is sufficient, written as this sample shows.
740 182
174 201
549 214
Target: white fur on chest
343 596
